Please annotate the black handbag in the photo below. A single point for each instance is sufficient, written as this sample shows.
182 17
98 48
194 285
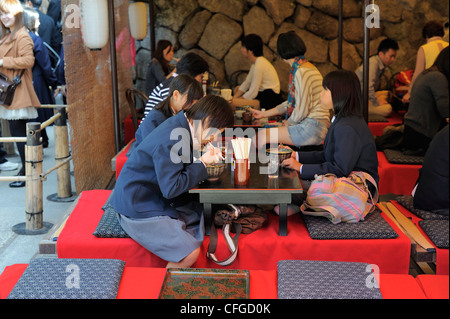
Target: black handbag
8 88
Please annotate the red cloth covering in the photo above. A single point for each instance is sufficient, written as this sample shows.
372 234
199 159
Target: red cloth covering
121 158
76 239
442 261
434 286
146 283
377 127
260 250
397 179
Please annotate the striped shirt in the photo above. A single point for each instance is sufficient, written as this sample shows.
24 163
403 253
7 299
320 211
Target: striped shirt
308 86
158 95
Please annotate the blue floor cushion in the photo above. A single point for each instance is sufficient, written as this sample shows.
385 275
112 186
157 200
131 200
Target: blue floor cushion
54 278
305 279
374 226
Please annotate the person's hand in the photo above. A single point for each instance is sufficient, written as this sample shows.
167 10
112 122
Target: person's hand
406 98
257 114
212 155
61 89
291 163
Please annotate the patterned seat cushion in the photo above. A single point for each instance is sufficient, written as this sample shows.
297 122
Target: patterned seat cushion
53 278
305 279
407 201
397 157
437 230
109 226
374 226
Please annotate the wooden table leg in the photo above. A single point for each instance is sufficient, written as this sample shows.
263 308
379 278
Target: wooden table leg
283 220
207 213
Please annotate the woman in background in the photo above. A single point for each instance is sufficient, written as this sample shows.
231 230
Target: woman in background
433 32
158 70
43 75
307 119
428 110
16 59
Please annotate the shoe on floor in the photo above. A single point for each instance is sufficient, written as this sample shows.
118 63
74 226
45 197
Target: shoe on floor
8 166
17 184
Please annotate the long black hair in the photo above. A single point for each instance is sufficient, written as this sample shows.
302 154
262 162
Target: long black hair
183 83
345 92
159 54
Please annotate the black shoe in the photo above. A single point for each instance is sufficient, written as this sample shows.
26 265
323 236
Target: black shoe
17 184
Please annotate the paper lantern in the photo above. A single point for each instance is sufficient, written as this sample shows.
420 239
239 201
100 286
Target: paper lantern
138 19
94 23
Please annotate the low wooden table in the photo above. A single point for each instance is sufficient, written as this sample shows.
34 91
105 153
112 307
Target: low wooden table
260 190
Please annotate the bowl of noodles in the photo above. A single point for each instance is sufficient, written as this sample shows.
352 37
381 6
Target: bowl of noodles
282 153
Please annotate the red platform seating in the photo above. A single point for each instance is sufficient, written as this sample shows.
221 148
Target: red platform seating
260 250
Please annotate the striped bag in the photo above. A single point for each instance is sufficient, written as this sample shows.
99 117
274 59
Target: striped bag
344 199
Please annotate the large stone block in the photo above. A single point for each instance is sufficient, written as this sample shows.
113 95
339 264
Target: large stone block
193 29
174 14
279 10
350 57
353 30
231 8
258 22
301 16
350 8
323 25
220 34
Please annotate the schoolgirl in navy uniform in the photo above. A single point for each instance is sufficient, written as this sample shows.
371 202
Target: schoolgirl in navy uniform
349 145
184 91
151 194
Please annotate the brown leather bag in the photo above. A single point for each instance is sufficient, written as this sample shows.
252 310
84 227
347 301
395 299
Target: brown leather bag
250 217
241 219
8 88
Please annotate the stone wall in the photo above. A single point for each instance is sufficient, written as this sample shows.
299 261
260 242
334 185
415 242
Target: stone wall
213 29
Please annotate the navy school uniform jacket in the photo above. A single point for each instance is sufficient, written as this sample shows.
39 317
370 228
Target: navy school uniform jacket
156 178
153 119
349 146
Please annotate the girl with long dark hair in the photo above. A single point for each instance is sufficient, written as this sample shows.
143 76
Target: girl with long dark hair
158 69
184 91
349 144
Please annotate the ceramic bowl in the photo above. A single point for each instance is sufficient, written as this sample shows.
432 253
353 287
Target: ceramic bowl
214 171
283 153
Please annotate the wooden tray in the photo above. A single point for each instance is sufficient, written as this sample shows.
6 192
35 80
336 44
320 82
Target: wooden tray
181 283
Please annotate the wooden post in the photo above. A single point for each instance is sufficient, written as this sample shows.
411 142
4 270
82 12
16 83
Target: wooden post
33 169
62 153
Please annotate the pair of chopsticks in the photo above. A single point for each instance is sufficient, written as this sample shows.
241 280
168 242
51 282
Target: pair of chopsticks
241 147
220 155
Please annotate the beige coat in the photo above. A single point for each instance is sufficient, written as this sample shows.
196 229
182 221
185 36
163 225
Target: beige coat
17 54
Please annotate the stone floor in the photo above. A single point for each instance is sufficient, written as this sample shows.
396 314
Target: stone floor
16 248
